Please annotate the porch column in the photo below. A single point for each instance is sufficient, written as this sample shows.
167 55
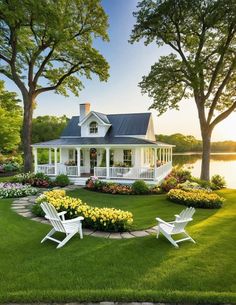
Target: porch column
155 163
35 151
50 156
78 161
171 154
55 160
108 162
60 155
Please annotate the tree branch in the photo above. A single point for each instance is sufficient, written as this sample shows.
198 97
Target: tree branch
219 91
223 115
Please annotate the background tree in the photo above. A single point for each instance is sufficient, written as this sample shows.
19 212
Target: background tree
46 46
202 65
10 120
46 128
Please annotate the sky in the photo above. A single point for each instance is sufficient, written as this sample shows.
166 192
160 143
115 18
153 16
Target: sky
121 94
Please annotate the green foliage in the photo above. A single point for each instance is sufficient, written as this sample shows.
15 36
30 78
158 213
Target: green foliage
38 180
181 175
203 183
62 180
47 128
11 119
37 210
169 183
140 187
217 182
55 40
196 198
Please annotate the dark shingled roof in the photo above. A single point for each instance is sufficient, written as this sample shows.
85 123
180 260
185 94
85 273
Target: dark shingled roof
121 124
96 141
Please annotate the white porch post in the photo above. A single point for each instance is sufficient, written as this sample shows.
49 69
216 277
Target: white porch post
155 163
55 160
78 161
171 154
107 162
50 156
60 155
35 151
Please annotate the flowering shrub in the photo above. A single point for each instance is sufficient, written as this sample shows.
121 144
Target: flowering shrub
188 186
196 198
104 219
11 190
138 187
169 183
38 180
218 182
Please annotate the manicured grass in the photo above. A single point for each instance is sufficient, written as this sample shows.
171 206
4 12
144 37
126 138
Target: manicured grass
140 269
5 179
145 208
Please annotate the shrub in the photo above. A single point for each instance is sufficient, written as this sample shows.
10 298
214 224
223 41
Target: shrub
169 183
62 180
105 219
12 190
140 187
38 180
218 182
196 198
188 185
181 175
203 183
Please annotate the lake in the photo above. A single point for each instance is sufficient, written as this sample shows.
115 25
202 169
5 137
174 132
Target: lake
223 164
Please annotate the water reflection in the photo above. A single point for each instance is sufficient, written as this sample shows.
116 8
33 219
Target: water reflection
222 164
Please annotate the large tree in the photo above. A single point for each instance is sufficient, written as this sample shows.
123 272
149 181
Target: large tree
46 46
10 120
201 65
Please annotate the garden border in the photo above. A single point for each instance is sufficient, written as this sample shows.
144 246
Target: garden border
22 206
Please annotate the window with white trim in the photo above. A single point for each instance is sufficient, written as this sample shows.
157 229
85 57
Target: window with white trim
127 157
93 127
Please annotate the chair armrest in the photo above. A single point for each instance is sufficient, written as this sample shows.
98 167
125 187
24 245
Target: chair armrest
77 219
62 215
184 220
166 223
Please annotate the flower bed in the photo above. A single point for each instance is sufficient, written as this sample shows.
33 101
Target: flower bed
13 190
137 188
104 219
196 198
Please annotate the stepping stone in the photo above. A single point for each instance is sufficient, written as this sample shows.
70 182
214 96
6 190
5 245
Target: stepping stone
26 214
87 231
127 235
115 236
100 234
150 231
21 210
44 221
139 233
38 219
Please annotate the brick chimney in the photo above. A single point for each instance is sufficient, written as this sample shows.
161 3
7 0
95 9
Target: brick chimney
84 110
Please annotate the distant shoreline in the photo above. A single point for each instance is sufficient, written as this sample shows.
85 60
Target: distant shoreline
199 153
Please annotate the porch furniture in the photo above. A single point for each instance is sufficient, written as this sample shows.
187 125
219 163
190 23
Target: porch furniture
176 227
57 220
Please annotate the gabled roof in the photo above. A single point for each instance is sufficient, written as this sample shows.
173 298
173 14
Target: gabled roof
128 124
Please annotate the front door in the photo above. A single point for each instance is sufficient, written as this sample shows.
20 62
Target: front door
93 160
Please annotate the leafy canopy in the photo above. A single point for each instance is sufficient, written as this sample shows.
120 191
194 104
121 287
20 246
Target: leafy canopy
202 62
47 128
10 120
48 45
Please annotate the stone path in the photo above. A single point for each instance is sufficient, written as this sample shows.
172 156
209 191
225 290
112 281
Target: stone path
22 206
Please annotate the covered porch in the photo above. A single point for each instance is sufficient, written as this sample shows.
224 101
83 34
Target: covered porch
149 162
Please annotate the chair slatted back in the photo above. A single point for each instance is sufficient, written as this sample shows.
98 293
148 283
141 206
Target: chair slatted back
184 218
52 216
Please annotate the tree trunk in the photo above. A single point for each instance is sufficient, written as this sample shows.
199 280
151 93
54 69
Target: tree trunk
206 151
27 133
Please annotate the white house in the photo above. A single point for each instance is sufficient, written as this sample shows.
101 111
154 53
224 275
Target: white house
120 147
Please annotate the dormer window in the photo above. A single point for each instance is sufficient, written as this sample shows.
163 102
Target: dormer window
93 127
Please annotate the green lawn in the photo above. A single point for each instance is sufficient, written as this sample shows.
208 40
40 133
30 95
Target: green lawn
140 269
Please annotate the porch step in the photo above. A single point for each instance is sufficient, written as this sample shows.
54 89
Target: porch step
79 180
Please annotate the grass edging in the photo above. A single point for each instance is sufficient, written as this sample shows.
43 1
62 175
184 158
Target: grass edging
192 297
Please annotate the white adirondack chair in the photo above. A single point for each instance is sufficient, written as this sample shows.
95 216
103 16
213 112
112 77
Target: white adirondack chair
176 227
57 220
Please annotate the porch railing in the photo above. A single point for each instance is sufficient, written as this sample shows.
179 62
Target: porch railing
145 173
